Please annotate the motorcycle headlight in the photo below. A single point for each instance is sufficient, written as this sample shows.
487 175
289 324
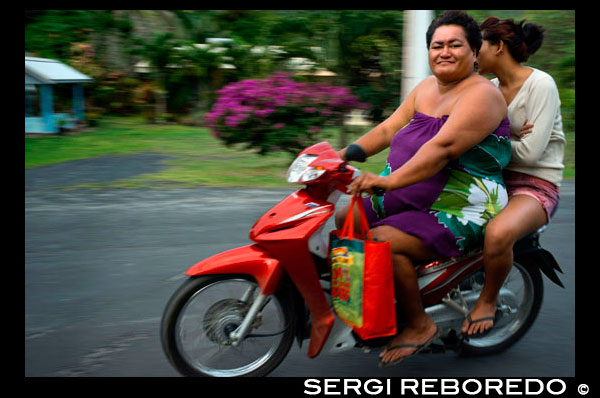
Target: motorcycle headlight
300 172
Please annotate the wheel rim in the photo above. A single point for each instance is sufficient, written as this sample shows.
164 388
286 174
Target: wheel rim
204 323
515 302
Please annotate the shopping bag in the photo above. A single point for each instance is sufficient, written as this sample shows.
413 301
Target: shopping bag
362 278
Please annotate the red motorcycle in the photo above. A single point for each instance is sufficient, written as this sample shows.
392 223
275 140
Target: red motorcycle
240 311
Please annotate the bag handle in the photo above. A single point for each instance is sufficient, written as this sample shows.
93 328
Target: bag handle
348 228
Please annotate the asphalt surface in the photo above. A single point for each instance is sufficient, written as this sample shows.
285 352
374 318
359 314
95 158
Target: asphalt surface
100 266
95 170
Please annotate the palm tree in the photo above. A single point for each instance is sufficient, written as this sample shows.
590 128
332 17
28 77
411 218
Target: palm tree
159 51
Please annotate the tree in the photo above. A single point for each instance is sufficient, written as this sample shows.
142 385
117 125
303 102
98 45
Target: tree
363 47
202 64
160 52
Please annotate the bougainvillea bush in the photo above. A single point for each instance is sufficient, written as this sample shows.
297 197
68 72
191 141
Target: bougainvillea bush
278 113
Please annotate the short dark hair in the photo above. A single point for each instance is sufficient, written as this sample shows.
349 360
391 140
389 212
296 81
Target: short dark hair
455 17
522 39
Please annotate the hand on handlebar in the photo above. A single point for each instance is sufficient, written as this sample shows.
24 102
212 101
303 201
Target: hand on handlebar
370 183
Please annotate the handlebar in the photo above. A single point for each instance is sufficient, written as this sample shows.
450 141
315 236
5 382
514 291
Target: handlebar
378 191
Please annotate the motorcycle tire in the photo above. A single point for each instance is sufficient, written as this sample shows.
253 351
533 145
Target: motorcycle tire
509 330
199 317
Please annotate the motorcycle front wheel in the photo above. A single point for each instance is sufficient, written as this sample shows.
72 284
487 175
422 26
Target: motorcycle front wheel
199 318
519 303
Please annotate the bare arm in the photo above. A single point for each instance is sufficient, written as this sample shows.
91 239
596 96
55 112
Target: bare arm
475 115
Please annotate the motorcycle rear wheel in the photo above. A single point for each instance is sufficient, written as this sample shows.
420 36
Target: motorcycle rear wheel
520 300
202 313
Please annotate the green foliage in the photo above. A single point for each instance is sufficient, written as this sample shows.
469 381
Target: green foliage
362 47
49 33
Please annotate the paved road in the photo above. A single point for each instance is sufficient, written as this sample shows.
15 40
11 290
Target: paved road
100 266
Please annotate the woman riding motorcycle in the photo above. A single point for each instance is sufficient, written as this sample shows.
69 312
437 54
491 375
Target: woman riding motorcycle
448 140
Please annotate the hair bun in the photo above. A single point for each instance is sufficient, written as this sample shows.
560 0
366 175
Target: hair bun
533 36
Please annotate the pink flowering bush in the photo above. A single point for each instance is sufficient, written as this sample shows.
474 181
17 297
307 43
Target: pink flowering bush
278 113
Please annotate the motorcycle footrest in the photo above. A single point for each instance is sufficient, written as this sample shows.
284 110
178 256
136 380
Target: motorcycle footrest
435 349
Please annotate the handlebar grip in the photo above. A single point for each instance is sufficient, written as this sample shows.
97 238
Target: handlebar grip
378 191
354 152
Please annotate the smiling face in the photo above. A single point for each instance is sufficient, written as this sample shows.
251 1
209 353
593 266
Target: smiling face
451 58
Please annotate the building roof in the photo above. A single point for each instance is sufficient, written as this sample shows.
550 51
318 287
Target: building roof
50 71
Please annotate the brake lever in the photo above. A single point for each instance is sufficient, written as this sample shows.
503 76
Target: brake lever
377 191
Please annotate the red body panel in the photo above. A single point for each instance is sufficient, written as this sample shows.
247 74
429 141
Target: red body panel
282 235
284 231
437 278
251 260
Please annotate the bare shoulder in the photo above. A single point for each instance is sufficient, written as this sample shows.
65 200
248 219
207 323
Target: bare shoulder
430 82
425 95
483 93
419 94
479 85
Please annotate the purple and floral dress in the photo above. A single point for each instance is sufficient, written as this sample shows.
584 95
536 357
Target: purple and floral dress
450 210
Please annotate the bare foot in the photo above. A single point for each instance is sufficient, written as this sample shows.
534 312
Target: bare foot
480 311
417 335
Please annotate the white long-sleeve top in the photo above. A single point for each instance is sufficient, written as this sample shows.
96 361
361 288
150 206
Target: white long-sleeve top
539 153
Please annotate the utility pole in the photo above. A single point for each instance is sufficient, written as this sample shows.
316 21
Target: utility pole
415 64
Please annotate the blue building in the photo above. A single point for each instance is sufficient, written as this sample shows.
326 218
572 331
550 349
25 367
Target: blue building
41 74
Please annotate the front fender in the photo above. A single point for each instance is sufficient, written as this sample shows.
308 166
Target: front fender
251 260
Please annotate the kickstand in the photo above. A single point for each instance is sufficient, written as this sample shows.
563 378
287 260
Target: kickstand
456 340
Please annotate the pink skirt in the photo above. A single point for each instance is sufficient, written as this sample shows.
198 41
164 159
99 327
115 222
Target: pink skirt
546 193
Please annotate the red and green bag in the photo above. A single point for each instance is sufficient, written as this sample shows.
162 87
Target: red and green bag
362 278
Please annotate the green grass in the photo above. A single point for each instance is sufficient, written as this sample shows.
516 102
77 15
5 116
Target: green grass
569 159
196 157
